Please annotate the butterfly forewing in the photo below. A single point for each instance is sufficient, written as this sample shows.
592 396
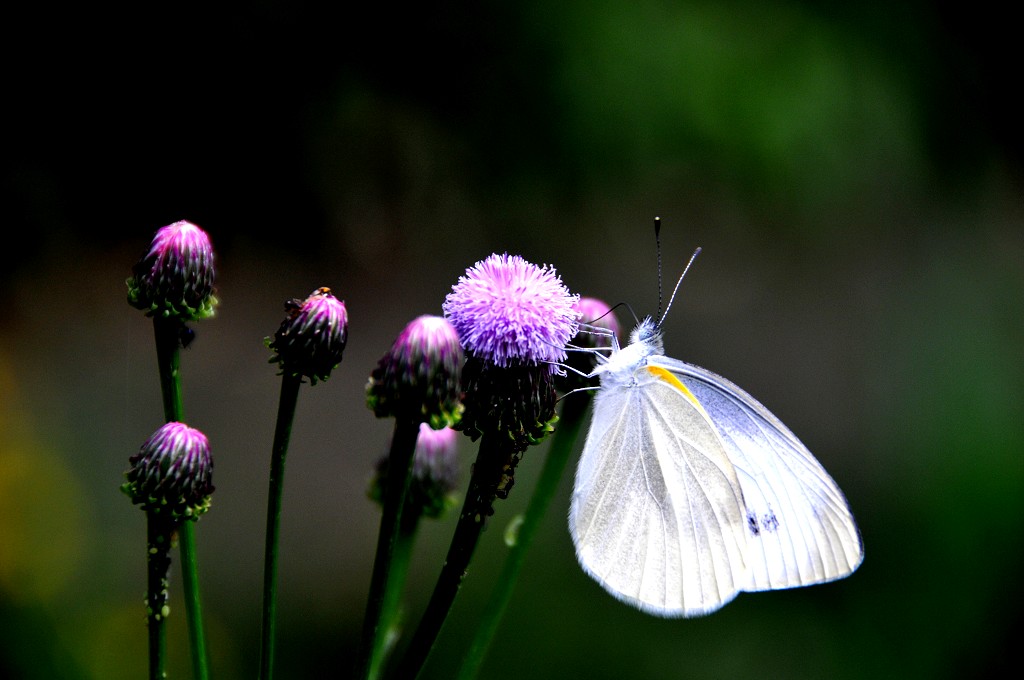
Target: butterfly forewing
657 512
799 527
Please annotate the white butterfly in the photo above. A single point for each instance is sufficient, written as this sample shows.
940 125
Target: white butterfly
689 491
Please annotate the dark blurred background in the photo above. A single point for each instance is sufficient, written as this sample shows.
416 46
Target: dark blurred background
852 171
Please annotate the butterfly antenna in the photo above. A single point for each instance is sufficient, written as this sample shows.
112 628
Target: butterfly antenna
675 290
657 247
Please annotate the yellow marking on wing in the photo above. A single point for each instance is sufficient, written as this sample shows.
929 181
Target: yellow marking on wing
667 376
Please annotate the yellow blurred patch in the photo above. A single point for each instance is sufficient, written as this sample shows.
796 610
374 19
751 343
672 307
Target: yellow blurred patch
41 508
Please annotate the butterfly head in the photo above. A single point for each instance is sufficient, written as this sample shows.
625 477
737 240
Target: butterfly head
644 341
647 335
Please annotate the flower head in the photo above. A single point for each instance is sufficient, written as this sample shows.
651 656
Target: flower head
507 310
171 474
418 379
435 472
312 337
514 319
175 278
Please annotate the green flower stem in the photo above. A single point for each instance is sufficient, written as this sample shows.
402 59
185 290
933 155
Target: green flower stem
372 645
282 433
487 472
193 604
389 628
158 563
562 444
168 357
169 363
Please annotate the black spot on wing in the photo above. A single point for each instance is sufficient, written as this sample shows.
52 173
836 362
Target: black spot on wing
768 522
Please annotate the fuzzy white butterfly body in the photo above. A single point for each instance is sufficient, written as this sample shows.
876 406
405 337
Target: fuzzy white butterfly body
689 491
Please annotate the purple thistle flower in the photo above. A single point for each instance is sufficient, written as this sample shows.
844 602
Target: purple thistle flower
175 278
435 473
311 339
514 319
507 310
418 379
172 472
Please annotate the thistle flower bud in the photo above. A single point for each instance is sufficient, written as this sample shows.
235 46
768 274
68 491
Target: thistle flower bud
435 472
600 327
600 317
312 337
172 472
418 379
174 279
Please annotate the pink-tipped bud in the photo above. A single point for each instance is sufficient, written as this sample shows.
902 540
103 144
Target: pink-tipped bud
418 379
172 473
175 278
311 339
598 326
435 473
